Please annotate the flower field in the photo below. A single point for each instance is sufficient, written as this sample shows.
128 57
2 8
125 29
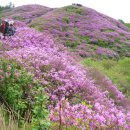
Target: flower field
73 100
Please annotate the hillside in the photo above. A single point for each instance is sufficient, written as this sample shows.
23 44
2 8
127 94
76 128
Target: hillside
26 13
45 87
86 31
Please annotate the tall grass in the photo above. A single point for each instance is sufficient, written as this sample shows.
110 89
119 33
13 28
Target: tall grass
7 123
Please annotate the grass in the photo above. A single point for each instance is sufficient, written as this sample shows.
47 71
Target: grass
8 121
7 124
20 18
118 71
73 9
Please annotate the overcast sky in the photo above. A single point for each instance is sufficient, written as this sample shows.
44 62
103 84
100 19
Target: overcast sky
118 9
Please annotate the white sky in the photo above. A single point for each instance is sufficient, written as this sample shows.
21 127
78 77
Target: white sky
118 9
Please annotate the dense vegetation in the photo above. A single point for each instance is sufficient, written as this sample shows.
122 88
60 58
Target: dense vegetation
44 86
24 98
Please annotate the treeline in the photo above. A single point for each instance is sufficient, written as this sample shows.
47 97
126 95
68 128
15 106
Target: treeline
9 6
126 24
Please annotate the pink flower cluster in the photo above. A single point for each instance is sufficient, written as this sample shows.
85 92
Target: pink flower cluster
84 117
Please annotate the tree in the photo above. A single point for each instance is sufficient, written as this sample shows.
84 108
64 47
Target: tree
8 6
120 20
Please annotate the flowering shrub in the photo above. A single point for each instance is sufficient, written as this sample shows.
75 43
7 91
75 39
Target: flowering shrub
24 98
84 117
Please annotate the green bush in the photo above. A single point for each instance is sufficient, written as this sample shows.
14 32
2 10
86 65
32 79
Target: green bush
18 18
24 98
73 9
66 19
78 11
85 38
102 43
71 44
37 27
127 24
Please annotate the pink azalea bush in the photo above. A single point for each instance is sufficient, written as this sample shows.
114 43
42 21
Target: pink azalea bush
84 116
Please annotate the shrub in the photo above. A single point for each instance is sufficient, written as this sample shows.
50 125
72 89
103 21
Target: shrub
37 27
71 44
24 97
102 43
66 19
85 38
18 18
120 20
74 9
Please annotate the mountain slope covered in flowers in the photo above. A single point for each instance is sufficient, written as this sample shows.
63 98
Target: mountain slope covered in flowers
85 31
75 100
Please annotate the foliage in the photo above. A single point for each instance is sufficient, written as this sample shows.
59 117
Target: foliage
5 124
82 117
40 110
120 20
37 27
102 43
71 44
24 97
1 15
97 29
127 24
18 18
66 19
74 9
86 39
